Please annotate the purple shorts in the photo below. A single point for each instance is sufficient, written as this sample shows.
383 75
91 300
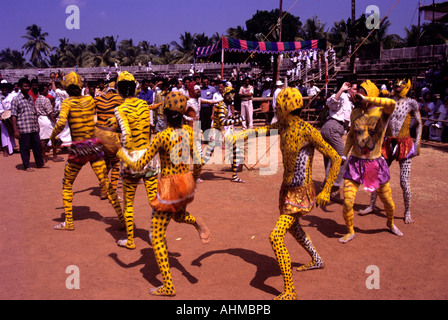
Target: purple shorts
370 173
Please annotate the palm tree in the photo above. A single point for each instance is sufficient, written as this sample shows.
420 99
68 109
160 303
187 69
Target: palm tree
148 51
186 47
389 41
72 55
166 55
13 59
201 40
101 53
430 34
215 38
236 33
131 55
312 29
37 45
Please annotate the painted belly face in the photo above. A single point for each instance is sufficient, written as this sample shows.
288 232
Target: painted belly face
368 134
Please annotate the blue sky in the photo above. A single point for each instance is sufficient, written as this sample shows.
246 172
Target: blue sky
163 21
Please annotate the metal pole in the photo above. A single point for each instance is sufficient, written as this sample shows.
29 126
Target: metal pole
433 46
277 75
418 47
353 40
222 58
353 10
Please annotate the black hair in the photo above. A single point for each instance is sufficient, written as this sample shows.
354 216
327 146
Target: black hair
357 82
73 90
164 85
173 81
23 81
126 88
42 86
173 118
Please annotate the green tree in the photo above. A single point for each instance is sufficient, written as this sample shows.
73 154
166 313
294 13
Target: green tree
185 48
36 45
389 41
430 34
166 55
312 29
237 33
265 23
72 55
101 53
13 59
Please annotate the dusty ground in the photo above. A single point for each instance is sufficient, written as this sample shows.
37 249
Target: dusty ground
239 263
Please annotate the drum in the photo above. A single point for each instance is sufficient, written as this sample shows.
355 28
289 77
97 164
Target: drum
7 121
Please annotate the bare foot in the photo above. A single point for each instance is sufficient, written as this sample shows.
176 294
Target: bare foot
162 291
64 226
126 244
204 231
407 218
315 264
286 295
237 180
367 210
394 229
347 238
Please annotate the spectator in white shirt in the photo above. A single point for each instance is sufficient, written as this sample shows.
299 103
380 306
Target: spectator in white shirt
279 87
336 125
312 90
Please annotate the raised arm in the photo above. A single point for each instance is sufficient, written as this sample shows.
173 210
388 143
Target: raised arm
387 104
252 133
155 106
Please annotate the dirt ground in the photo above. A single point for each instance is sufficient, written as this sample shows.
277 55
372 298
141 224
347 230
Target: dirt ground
239 263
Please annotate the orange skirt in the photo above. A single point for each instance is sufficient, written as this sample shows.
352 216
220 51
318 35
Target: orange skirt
174 192
297 200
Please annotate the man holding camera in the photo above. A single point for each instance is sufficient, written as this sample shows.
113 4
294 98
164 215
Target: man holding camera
336 125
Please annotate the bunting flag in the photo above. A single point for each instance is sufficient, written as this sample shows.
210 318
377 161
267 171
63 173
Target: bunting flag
235 45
